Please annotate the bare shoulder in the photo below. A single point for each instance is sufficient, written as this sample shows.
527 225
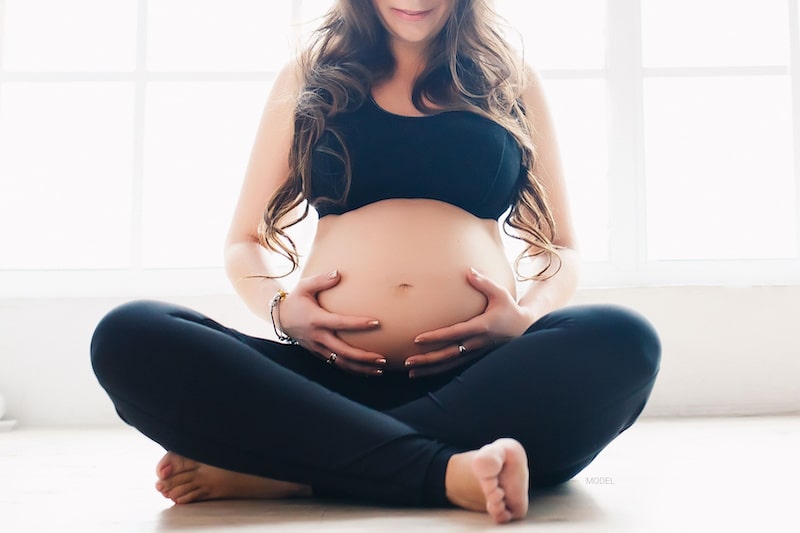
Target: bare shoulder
533 94
276 127
538 111
278 111
287 85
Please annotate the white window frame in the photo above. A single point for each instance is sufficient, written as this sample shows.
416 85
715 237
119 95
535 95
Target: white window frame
627 265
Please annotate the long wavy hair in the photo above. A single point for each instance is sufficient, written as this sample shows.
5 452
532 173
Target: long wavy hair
470 67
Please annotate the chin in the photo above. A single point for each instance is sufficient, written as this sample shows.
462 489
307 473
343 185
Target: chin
419 26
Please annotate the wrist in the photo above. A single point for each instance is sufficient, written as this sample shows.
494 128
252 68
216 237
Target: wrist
275 315
528 318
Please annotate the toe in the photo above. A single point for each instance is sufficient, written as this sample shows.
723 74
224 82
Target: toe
164 467
496 508
503 517
195 495
183 464
495 496
502 471
181 491
490 486
172 464
184 478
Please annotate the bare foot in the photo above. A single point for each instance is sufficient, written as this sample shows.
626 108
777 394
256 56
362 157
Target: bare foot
493 479
183 480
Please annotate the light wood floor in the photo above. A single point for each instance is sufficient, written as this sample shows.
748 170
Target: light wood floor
684 475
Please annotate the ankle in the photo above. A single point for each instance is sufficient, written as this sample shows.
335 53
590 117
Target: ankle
461 486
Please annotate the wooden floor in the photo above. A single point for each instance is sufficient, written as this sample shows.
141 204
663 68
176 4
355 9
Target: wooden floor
675 475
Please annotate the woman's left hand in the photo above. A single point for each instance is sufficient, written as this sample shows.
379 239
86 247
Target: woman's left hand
502 320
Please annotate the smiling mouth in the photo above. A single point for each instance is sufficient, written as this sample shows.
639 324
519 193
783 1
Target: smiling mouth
412 15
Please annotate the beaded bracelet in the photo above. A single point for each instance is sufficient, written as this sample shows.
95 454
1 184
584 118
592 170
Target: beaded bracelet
275 315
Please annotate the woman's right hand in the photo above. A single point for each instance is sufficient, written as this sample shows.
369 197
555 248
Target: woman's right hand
314 328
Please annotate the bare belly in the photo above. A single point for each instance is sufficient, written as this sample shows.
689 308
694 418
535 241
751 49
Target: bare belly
405 262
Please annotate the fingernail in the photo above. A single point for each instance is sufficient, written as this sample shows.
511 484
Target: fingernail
379 372
412 375
419 340
474 272
409 364
332 274
374 323
381 361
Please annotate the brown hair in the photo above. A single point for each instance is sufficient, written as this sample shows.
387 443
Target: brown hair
470 67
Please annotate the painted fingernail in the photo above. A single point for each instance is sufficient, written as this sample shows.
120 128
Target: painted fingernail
381 361
373 323
332 274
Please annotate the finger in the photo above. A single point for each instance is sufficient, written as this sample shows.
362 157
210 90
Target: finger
337 322
444 366
314 284
345 364
458 349
355 368
486 285
334 344
463 330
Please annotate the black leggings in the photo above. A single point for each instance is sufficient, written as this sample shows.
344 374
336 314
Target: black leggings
575 380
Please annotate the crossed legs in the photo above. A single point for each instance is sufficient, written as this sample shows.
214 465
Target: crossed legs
277 424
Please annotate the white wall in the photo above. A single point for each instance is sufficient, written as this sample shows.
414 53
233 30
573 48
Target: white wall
725 350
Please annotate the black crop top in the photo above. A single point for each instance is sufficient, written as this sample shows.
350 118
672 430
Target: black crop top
457 157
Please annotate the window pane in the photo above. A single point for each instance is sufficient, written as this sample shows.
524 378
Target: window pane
579 111
197 141
695 33
65 162
719 168
310 9
557 35
310 18
82 35
209 35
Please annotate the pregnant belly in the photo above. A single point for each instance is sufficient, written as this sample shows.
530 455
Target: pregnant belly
405 263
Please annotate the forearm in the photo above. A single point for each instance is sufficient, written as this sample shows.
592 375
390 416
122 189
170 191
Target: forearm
247 264
542 297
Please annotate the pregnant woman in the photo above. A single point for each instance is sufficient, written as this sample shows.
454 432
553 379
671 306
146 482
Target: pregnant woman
408 370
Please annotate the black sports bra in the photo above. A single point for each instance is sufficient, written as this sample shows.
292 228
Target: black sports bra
457 157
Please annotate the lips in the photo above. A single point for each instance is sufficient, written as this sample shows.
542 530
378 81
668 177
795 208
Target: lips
412 16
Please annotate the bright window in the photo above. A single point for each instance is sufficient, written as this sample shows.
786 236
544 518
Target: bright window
120 162
719 141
